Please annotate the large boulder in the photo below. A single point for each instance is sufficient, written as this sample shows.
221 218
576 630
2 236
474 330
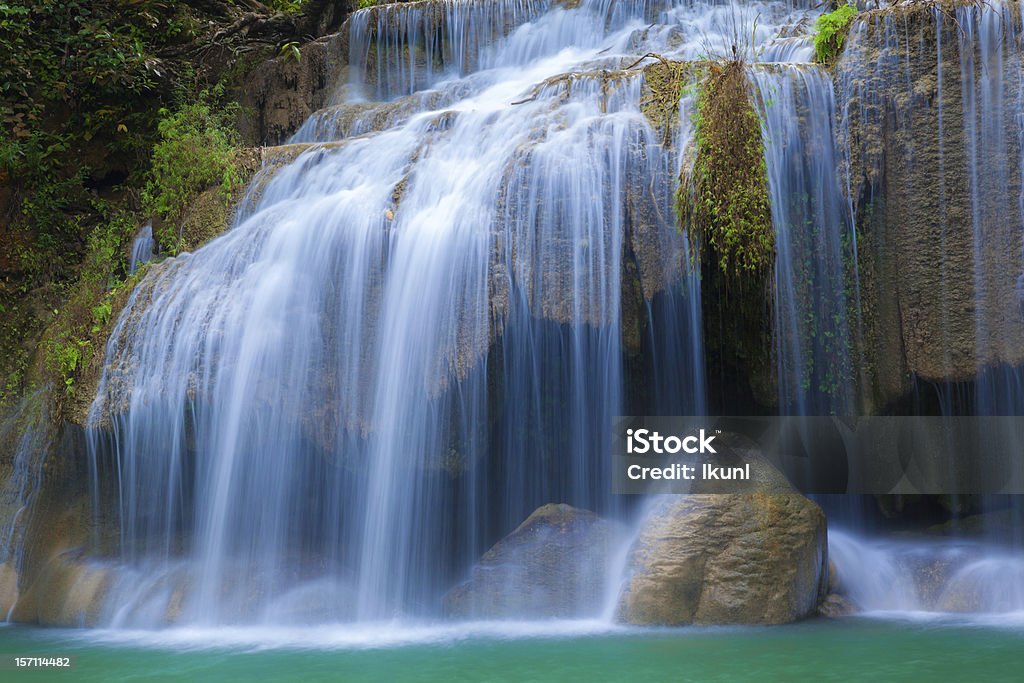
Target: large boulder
747 551
555 564
744 558
68 592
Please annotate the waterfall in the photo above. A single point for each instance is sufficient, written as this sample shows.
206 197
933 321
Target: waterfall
928 574
814 277
26 436
142 248
419 328
430 307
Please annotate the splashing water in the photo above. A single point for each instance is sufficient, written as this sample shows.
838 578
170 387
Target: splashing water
933 575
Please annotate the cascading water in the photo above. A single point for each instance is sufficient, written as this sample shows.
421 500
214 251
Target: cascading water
813 282
417 332
27 435
419 328
938 575
142 248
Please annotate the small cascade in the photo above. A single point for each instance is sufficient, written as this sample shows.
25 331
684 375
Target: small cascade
814 281
26 437
927 574
397 49
142 248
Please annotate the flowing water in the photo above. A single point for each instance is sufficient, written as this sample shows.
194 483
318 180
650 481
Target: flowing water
142 248
27 433
929 575
419 328
420 323
814 280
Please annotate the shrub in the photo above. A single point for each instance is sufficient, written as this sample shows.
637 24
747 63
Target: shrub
831 29
197 150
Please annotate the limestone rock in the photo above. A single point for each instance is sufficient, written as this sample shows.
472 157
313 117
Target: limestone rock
282 93
835 605
8 587
931 195
745 558
555 564
68 592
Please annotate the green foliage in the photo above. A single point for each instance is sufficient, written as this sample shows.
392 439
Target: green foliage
77 83
83 87
291 49
287 6
723 201
68 55
364 4
67 357
89 302
197 150
830 32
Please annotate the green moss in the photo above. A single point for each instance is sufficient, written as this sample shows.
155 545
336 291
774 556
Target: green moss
723 201
830 32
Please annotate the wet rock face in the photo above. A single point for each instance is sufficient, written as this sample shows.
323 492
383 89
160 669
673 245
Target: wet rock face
282 93
555 564
929 101
8 587
751 558
68 592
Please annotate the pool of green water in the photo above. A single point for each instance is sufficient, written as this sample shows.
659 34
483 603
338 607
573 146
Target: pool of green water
854 649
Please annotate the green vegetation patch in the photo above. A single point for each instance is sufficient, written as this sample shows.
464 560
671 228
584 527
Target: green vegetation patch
723 201
198 149
77 330
830 32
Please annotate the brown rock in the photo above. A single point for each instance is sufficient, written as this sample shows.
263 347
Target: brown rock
555 564
68 592
8 587
835 606
750 558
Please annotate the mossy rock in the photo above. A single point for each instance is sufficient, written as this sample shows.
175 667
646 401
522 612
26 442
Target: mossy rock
723 200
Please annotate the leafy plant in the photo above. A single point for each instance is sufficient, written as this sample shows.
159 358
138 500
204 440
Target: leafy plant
291 49
197 150
830 32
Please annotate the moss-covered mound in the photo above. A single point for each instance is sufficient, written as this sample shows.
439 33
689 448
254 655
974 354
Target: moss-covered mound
723 199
